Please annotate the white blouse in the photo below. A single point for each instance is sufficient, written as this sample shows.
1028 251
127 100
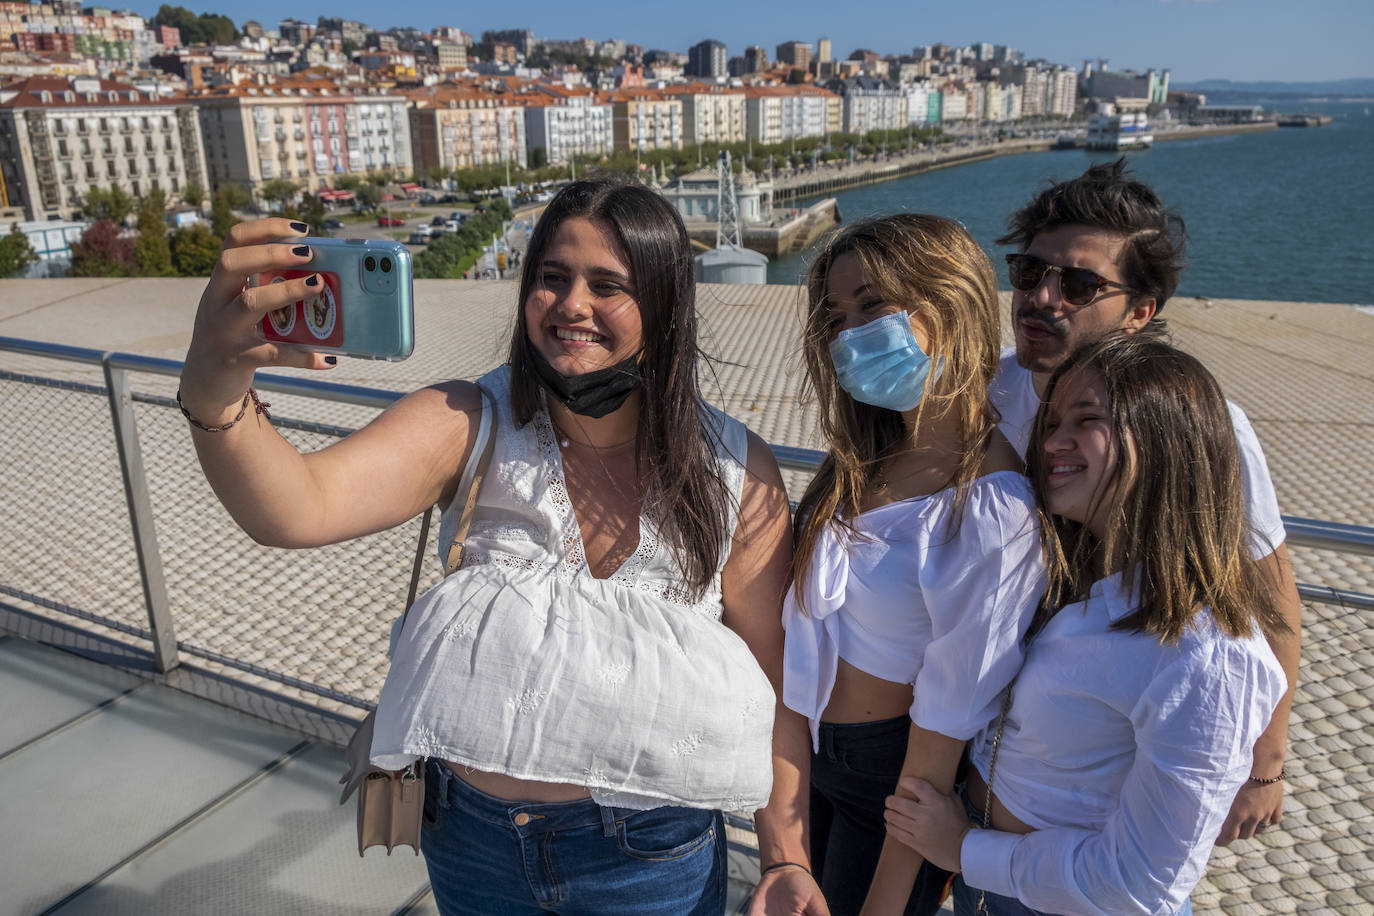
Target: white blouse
1013 394
523 663
1124 754
902 595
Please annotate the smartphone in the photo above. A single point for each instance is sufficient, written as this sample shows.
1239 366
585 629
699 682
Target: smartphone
363 306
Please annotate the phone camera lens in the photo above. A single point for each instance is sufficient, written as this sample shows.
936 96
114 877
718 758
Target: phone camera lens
386 265
370 262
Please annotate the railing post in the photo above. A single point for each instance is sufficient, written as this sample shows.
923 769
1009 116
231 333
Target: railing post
141 516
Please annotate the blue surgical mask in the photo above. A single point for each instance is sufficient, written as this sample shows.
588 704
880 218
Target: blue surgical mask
880 363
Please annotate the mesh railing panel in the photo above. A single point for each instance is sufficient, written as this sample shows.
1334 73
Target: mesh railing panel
66 519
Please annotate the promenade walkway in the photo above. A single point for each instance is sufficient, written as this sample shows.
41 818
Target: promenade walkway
1303 372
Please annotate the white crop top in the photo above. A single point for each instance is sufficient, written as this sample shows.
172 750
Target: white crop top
900 595
523 663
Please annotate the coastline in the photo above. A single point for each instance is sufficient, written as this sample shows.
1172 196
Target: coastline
827 179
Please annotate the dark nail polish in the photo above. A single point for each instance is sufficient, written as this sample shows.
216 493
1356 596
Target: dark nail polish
301 250
300 227
312 280
332 360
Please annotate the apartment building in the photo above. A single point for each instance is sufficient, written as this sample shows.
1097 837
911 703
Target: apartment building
645 119
775 114
60 137
871 104
710 114
795 54
568 122
306 131
456 127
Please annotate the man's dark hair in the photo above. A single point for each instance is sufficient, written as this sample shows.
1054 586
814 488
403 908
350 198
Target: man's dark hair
1109 198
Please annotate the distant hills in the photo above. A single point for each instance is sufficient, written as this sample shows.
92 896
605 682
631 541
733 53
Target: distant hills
1363 86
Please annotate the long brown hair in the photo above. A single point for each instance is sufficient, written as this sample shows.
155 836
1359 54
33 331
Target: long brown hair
674 449
932 268
1177 527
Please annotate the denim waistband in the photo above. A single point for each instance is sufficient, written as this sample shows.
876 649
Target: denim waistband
525 818
832 734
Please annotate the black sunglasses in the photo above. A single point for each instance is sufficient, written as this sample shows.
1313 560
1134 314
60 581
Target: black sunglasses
1077 285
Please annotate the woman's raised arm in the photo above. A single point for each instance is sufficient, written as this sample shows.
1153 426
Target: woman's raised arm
380 476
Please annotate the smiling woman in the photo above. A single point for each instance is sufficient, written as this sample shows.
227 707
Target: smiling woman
597 679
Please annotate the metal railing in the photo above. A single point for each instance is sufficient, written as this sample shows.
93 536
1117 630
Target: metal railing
153 503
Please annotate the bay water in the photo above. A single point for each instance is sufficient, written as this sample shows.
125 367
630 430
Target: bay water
1282 215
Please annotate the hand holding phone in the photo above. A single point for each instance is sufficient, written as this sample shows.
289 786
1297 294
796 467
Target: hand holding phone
362 306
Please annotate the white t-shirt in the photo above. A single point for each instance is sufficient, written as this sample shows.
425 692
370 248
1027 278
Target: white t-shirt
1124 754
1013 394
899 594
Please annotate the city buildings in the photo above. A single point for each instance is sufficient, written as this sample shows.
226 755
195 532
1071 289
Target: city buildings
710 113
707 59
795 54
61 137
307 131
870 103
565 123
456 127
645 119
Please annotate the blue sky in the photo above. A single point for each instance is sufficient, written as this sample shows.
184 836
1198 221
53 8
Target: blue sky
1196 39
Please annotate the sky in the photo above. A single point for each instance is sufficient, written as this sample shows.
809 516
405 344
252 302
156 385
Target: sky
1194 39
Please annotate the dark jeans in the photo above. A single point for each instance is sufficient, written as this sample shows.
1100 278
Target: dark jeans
854 773
491 857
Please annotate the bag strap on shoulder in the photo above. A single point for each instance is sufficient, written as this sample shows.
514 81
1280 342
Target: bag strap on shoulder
469 486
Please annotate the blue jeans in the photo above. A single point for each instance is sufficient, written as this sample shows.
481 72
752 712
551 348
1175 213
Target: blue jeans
490 857
966 898
852 776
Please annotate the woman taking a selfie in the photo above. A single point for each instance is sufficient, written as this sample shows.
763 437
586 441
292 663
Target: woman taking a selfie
1147 677
917 562
594 683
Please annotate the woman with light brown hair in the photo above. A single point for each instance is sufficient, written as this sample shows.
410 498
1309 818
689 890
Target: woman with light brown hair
1147 678
917 564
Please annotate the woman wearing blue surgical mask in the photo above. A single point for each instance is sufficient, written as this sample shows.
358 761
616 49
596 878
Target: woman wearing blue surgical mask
918 563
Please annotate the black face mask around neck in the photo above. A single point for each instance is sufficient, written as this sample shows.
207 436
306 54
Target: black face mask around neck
591 394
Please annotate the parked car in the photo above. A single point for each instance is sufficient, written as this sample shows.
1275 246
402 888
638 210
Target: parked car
390 221
458 215
453 225
333 224
418 238
438 221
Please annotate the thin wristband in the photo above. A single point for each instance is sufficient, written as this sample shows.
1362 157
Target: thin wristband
1269 781
776 865
250 395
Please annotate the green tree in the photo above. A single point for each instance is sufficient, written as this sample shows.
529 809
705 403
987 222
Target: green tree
194 250
539 157
221 214
193 194
368 195
151 249
114 204
281 190
15 252
103 251
312 211
441 257
237 195
347 181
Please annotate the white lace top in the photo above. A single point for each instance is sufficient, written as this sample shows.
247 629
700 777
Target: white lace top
523 663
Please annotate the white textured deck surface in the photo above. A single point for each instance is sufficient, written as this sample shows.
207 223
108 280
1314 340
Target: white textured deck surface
1303 372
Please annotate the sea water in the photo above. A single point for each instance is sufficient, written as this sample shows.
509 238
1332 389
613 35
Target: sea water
1283 214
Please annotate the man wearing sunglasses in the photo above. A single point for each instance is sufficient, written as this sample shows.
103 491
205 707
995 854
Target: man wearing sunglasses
1099 253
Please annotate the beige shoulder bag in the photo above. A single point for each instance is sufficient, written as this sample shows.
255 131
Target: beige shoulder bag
391 803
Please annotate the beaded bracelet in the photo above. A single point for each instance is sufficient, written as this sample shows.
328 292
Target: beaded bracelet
1262 781
251 395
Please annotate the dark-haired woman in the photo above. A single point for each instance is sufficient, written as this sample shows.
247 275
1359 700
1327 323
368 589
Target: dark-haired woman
1147 678
596 682
917 560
